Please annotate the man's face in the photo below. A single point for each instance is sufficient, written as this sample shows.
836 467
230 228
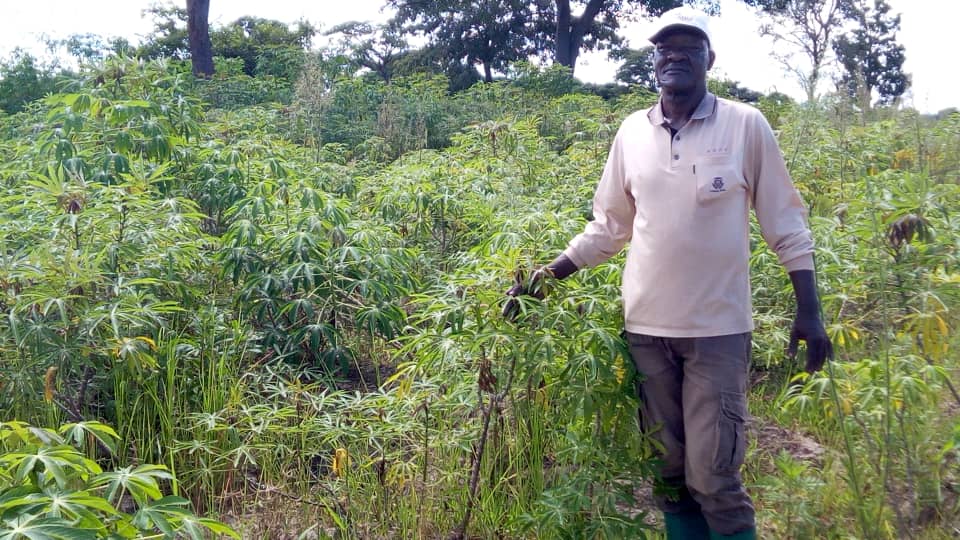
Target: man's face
681 59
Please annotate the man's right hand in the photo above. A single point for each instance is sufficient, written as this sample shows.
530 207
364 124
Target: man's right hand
522 286
535 284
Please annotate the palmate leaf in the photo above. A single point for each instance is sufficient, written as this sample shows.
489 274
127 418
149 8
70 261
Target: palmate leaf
34 527
77 434
23 498
6 480
165 515
192 526
80 506
141 483
15 434
62 463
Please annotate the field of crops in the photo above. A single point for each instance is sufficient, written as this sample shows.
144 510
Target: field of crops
285 318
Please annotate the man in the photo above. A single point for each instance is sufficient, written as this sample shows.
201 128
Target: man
678 184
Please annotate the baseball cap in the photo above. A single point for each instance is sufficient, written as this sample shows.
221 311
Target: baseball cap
682 17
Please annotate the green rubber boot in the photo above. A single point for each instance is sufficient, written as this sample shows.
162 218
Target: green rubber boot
749 534
686 526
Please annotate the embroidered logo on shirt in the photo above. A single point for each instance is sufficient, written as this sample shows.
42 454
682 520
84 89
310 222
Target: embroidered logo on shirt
717 185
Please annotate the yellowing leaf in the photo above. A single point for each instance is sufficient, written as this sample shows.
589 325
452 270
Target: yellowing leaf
49 380
942 325
341 460
619 371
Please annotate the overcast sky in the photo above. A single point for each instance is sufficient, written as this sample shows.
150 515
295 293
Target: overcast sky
926 28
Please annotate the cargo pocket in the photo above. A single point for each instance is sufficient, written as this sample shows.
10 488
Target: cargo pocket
731 439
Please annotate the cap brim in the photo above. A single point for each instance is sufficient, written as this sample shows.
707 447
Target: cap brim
679 26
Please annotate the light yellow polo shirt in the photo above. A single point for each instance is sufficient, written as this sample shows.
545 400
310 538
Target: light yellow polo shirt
683 203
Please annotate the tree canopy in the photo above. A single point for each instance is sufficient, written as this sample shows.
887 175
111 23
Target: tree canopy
807 26
870 55
497 33
264 45
491 33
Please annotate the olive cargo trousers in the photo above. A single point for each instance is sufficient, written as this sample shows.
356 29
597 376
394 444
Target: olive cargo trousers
693 394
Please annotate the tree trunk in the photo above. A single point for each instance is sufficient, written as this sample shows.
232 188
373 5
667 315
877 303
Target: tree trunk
562 56
198 31
487 72
570 31
812 81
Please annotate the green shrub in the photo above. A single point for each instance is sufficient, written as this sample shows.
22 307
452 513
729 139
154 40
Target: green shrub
50 489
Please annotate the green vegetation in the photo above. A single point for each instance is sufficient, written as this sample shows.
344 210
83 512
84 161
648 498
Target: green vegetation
285 293
51 489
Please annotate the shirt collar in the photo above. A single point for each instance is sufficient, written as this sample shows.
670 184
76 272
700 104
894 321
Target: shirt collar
705 109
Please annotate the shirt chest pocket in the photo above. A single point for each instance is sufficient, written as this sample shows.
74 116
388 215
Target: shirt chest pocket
718 179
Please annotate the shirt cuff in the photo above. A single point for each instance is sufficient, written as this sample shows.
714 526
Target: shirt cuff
803 262
577 260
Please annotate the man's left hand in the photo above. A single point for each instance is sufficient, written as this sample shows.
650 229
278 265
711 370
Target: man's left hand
810 328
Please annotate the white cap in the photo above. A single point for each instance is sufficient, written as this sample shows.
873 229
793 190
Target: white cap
682 17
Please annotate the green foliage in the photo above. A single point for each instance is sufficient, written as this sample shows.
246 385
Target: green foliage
883 218
85 48
792 489
732 90
295 306
50 489
807 27
553 81
169 36
265 47
23 79
377 48
870 55
637 68
493 34
386 120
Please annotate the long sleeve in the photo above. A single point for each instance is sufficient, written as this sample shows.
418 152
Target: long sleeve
613 211
776 202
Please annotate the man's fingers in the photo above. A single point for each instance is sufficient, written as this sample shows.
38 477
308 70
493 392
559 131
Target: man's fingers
794 343
510 308
815 354
819 351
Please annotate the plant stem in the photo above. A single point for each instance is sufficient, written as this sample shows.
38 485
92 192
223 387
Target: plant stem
495 399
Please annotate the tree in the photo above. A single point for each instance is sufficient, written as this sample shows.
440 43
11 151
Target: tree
89 47
492 33
23 79
807 26
198 33
434 60
872 59
596 26
732 89
256 40
377 48
169 36
265 46
496 33
637 67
